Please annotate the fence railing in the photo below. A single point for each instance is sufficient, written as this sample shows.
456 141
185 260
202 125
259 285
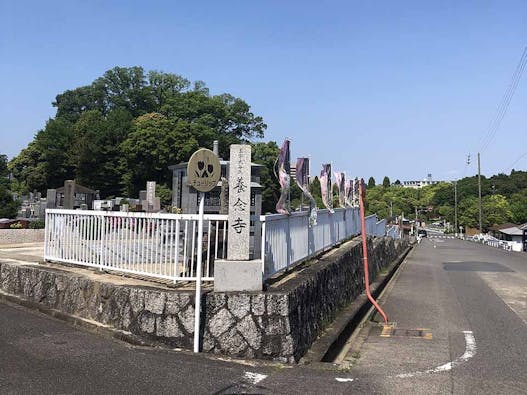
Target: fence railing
164 245
156 245
288 239
497 243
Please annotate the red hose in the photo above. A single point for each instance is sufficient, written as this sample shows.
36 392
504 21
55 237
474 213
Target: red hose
362 195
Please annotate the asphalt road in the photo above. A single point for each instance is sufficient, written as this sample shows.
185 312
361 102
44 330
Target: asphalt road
472 299
447 286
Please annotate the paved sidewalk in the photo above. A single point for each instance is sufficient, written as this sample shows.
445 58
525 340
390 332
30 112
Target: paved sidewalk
24 252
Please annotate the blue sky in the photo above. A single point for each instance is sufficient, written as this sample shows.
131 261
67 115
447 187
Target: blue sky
396 88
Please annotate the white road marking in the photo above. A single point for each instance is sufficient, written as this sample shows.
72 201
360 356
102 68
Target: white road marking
254 378
470 351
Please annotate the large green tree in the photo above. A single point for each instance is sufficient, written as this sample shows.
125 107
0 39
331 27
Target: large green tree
126 127
156 142
265 154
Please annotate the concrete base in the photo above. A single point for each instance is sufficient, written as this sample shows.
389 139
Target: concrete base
238 275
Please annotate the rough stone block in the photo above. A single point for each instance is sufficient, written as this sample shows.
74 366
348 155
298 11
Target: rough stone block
277 304
220 323
147 322
231 342
168 327
234 276
187 317
239 305
155 302
258 304
250 332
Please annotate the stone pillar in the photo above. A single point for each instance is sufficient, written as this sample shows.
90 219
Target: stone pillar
69 194
239 202
238 273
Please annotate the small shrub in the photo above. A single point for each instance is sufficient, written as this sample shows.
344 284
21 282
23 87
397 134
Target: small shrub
37 225
16 225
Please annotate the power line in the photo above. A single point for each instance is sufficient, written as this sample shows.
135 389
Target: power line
504 104
514 163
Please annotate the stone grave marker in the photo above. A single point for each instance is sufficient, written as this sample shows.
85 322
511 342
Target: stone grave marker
69 194
51 198
150 194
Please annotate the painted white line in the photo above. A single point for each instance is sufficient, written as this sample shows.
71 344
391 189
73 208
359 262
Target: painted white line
470 351
254 378
343 380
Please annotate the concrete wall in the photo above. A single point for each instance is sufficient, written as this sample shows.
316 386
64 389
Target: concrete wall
16 236
280 323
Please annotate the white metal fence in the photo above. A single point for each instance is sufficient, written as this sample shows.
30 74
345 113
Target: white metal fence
497 243
288 239
156 245
164 245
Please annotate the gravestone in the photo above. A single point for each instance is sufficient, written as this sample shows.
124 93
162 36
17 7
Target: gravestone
69 194
150 194
51 198
156 204
42 209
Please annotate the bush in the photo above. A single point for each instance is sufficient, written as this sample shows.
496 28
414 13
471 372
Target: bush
8 207
37 225
16 225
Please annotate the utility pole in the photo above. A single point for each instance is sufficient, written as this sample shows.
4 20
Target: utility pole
479 192
455 207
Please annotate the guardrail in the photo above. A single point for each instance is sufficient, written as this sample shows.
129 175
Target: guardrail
156 245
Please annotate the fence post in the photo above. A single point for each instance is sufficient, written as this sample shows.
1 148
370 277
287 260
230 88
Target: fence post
262 251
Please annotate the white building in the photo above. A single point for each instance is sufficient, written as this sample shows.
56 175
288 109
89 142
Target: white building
420 183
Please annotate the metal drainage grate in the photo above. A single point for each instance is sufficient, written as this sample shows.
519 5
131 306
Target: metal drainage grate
392 331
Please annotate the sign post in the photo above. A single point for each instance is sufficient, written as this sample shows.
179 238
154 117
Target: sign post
203 172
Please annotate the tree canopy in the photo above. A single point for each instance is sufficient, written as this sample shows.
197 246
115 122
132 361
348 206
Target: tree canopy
504 200
126 127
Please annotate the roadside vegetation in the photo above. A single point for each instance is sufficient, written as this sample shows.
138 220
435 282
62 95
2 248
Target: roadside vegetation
504 199
127 127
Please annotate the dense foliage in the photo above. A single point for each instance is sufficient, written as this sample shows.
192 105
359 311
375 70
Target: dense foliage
8 207
126 128
504 199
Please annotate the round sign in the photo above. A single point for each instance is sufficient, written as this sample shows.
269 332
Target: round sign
203 170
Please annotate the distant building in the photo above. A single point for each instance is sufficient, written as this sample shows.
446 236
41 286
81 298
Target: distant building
420 183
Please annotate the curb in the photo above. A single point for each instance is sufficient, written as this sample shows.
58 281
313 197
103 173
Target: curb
326 348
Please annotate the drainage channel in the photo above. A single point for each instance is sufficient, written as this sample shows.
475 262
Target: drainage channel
361 316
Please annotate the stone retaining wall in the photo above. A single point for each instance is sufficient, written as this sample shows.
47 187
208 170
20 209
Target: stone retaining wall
280 323
16 236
